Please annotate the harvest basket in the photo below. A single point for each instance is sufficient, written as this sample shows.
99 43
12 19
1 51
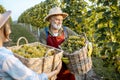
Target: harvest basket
44 64
79 62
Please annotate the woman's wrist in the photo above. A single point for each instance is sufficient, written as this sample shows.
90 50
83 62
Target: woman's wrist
56 72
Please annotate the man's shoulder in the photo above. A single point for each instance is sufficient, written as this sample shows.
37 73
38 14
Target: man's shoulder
66 28
69 31
43 31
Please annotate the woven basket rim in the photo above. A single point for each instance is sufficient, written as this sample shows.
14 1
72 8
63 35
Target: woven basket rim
75 52
31 44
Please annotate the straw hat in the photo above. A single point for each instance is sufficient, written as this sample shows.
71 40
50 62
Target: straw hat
4 17
55 11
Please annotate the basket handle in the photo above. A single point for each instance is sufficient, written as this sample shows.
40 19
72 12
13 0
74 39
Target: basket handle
85 36
18 41
48 52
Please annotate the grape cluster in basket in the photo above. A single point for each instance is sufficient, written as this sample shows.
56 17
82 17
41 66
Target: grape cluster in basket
34 51
73 43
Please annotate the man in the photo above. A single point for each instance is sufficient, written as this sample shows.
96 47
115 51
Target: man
55 34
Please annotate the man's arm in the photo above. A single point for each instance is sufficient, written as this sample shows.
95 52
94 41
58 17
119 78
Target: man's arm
70 32
42 37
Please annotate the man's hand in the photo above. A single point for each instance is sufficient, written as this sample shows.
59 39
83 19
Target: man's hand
90 49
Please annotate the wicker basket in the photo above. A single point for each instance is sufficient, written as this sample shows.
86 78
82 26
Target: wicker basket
45 64
79 62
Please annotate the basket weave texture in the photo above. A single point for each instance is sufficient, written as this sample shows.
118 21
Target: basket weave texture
79 62
44 64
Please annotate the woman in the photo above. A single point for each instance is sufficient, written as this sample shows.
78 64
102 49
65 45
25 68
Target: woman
10 67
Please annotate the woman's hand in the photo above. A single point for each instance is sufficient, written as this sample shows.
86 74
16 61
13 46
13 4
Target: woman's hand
56 71
59 67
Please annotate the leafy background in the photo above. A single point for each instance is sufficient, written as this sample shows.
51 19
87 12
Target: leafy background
100 22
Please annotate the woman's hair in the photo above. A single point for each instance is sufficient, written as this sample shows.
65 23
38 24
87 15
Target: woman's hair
6 29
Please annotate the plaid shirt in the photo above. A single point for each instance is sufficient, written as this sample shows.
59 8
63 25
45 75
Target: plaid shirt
11 68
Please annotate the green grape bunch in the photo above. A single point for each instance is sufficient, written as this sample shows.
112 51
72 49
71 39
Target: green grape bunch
73 43
36 51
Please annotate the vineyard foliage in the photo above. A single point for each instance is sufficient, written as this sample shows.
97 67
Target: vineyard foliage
36 14
2 9
99 19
